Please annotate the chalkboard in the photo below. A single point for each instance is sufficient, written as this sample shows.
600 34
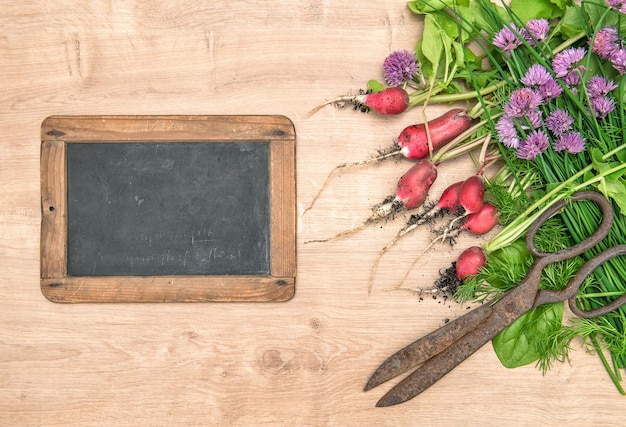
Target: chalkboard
168 208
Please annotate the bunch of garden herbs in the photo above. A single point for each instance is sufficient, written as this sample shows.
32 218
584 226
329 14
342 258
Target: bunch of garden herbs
569 137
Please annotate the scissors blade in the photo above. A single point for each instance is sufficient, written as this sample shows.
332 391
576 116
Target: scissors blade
428 346
440 364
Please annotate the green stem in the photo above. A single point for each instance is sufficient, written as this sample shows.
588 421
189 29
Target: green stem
612 294
417 98
454 97
608 368
516 188
460 150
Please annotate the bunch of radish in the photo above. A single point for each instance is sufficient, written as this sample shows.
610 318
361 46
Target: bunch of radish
416 142
472 213
428 144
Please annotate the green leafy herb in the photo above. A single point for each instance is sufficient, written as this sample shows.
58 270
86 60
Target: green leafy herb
521 343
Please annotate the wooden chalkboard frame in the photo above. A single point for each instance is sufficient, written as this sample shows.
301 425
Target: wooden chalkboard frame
59 131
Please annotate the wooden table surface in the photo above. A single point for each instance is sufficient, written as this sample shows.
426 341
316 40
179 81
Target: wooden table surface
303 362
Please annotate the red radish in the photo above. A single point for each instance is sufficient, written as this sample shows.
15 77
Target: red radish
449 199
472 194
390 101
470 262
413 140
414 185
482 221
411 192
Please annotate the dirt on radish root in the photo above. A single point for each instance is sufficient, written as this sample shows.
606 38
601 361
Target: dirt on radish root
445 286
382 152
448 282
356 106
426 219
429 218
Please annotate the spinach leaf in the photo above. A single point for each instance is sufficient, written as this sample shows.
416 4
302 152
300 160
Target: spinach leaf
530 9
520 343
433 44
573 22
612 185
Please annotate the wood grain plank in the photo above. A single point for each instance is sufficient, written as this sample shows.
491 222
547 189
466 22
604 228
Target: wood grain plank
53 209
167 128
303 362
120 289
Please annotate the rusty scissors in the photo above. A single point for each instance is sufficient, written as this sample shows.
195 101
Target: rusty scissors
444 349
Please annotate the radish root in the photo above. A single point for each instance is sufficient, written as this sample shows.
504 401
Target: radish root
448 233
384 210
343 233
403 232
412 224
433 290
382 156
339 102
342 101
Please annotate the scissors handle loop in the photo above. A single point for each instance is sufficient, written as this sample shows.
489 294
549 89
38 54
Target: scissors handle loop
579 248
585 271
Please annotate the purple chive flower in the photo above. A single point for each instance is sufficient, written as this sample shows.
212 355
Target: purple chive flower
564 62
573 77
507 39
618 60
400 67
536 143
522 102
540 80
506 132
550 90
559 121
571 142
605 42
619 5
533 118
599 86
601 106
536 76
536 31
